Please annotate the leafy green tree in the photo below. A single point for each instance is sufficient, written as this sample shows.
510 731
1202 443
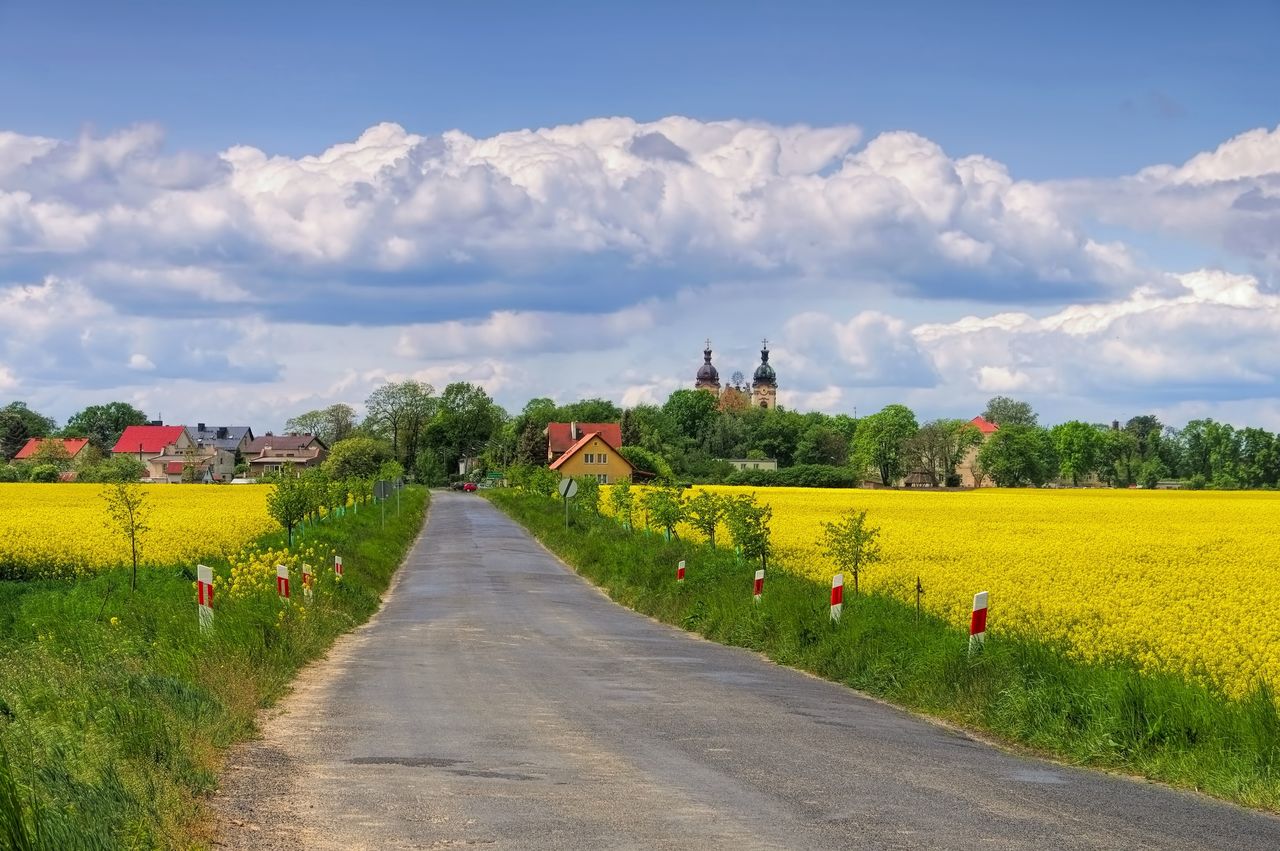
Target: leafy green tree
44 473
532 445
939 446
691 412
648 462
18 424
1019 455
1004 411
589 411
704 512
289 502
1118 458
881 442
464 422
356 458
103 424
127 512
665 508
588 498
331 424
53 453
622 501
748 523
822 444
1151 472
851 543
1259 458
1079 449
402 412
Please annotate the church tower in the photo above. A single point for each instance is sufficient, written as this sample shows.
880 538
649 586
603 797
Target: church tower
708 377
764 385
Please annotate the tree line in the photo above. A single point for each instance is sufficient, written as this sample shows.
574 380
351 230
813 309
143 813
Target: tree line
691 435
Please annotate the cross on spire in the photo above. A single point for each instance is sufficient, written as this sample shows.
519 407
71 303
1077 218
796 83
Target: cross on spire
764 343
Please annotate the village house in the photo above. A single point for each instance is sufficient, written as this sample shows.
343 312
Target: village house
271 452
968 469
232 438
170 454
593 455
561 437
73 446
753 463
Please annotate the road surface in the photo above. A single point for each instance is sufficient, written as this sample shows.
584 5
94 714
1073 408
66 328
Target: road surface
498 700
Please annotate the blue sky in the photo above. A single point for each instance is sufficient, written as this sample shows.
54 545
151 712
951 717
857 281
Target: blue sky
981 161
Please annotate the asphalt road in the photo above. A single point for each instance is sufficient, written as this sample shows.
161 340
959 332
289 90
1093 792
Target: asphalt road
499 700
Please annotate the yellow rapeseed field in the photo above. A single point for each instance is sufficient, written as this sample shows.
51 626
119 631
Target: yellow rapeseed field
1187 582
58 530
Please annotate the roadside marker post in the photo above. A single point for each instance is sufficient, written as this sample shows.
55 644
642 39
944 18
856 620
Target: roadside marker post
337 568
204 596
978 622
837 596
680 571
307 581
282 582
757 590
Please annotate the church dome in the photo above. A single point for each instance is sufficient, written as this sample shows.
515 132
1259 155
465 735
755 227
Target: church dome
764 373
707 373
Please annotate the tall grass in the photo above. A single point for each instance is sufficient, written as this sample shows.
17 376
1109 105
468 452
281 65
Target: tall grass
115 710
1018 689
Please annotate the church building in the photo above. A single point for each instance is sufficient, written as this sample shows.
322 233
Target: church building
764 383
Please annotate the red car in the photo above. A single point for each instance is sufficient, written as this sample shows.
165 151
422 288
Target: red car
469 487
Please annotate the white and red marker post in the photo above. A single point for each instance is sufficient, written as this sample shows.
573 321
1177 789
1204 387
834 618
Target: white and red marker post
680 571
204 596
757 590
337 568
282 582
307 581
978 622
837 596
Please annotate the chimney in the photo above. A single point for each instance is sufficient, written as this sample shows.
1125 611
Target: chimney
1115 425
200 427
573 431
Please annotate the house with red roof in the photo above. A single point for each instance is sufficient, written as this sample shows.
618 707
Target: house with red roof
170 453
970 472
72 445
593 455
561 437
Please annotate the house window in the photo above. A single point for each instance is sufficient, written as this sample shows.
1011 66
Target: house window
602 478
604 459
589 458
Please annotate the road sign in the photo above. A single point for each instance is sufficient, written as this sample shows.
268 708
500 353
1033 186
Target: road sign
568 488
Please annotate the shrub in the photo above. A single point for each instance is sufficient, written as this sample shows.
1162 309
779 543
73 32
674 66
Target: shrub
44 473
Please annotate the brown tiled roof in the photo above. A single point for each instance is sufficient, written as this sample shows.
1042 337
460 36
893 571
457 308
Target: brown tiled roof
290 442
560 435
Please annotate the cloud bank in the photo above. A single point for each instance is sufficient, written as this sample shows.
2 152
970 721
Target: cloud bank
579 258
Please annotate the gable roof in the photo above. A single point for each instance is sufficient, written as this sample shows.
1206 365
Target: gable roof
984 426
560 435
72 444
577 447
231 435
283 441
148 438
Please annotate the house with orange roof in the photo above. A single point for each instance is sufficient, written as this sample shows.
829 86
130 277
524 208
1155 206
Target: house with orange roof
594 455
562 436
72 445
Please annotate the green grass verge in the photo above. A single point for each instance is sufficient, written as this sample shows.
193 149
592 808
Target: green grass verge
115 711
1019 690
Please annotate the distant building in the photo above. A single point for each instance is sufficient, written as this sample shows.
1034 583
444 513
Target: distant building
232 438
561 437
168 452
753 463
764 383
968 469
73 446
271 452
592 455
